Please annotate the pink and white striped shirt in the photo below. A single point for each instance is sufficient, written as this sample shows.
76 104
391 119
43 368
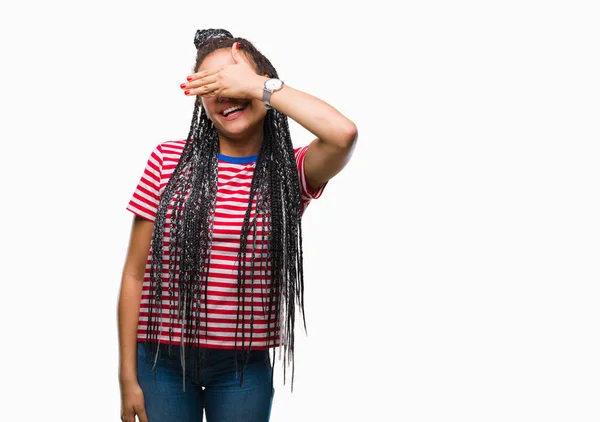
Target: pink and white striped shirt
234 179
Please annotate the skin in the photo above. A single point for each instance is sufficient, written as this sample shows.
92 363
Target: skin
132 397
226 78
226 75
243 136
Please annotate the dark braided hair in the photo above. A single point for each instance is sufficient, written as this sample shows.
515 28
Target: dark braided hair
191 194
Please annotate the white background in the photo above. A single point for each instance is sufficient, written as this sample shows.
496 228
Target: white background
452 267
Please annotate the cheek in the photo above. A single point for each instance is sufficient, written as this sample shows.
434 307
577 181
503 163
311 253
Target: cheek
209 107
259 107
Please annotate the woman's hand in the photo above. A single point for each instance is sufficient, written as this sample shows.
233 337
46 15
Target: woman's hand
237 80
132 402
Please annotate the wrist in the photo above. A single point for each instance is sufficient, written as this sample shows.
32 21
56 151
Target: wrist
125 379
127 374
258 87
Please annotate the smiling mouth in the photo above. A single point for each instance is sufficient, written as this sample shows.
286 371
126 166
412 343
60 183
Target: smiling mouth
233 112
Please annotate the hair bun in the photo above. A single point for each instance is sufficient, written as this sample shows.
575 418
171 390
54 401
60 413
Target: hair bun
203 35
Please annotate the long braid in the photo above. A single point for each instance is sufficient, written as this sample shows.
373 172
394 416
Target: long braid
273 218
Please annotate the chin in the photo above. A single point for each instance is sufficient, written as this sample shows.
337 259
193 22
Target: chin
242 123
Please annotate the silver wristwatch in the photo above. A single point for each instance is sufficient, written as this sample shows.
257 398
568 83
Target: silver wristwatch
271 85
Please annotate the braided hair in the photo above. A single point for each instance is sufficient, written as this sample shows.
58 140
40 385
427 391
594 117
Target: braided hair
191 195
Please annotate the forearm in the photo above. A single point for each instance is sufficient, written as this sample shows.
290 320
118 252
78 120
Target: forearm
128 314
315 115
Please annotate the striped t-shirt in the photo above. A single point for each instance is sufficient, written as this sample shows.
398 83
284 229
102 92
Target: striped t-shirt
234 178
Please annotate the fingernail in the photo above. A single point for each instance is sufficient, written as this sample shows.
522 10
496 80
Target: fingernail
189 78
182 86
237 45
187 92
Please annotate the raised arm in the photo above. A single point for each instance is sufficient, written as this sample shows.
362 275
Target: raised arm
336 134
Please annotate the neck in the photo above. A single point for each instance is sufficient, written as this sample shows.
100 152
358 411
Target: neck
243 147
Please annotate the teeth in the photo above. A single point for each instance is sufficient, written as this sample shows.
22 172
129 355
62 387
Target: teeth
231 109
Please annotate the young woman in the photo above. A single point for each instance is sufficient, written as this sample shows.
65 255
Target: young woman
213 272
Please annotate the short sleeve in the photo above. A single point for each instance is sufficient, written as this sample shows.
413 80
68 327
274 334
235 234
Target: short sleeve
146 196
307 194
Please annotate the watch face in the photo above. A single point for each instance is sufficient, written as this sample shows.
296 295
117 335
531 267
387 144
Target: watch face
273 84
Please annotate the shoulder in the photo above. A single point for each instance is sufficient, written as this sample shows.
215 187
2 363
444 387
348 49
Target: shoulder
170 151
172 147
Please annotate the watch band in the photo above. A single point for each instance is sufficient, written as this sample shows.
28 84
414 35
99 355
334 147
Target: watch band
267 98
267 94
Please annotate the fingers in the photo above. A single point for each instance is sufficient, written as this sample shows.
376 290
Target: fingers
200 82
238 58
235 53
201 86
202 74
142 415
128 415
207 89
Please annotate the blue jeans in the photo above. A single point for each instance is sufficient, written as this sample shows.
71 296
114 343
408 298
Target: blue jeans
217 389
